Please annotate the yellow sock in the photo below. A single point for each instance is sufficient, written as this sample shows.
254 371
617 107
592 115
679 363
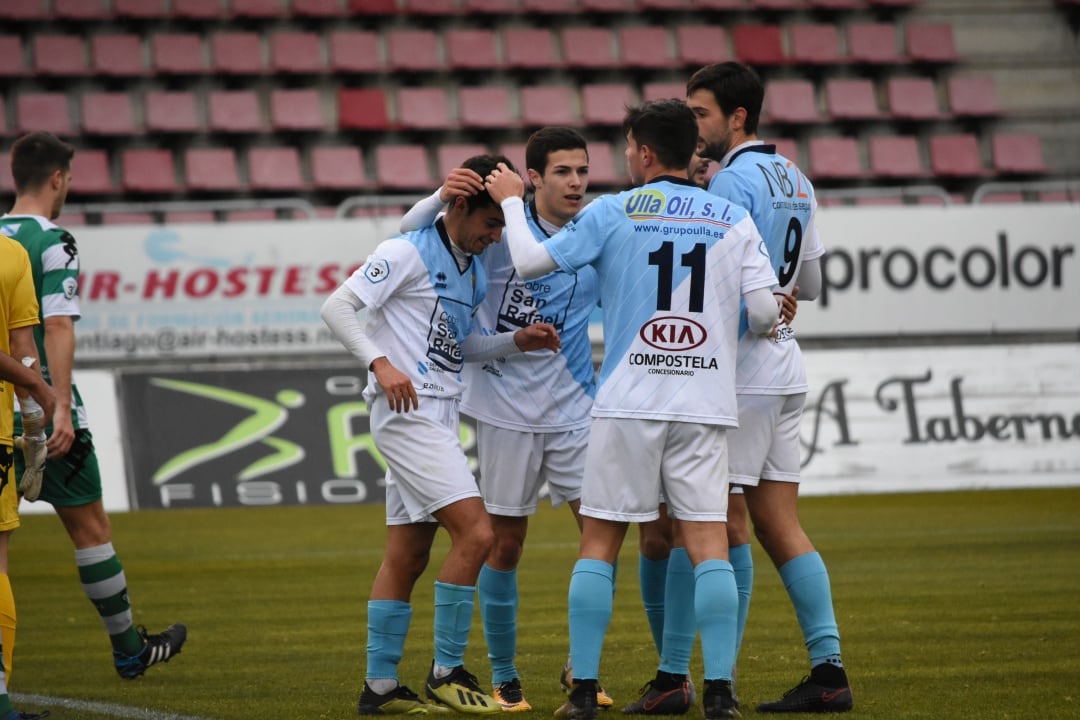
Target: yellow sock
7 623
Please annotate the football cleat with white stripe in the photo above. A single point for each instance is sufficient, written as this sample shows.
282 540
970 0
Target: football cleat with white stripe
156 649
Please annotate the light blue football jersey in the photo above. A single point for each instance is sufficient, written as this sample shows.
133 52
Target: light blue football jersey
673 263
536 391
781 202
421 308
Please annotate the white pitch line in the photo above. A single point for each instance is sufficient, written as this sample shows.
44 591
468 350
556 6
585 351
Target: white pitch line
109 709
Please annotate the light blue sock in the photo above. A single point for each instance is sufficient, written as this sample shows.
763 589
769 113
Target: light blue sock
387 626
680 625
807 584
652 575
453 620
498 594
742 561
590 601
716 601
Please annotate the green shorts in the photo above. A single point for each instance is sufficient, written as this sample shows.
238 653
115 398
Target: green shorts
73 480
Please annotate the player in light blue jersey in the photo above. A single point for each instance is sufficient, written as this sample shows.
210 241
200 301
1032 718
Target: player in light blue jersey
771 378
673 263
418 294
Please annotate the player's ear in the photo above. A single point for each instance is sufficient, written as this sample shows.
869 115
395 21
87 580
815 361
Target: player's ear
738 118
534 177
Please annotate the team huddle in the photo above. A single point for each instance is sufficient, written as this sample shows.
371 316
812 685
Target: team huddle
690 428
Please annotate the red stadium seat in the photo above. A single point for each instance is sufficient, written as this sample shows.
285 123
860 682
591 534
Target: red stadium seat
107 113
955 156
720 4
257 8
296 110
787 148
700 45
70 219
430 7
930 42
296 52
558 7
663 91
665 4
759 44
43 111
318 8
252 215
355 51
90 173
851 99
118 55
338 168
606 103
362 109
24 10
776 4
451 156
494 7
179 217
171 112
645 47
515 153
471 49
276 168
61 55
836 4
237 53
141 9
234 111
1017 153
617 6
873 43
530 48
372 7
148 171
835 158
485 107
423 109
817 44
588 47
211 169
80 10
548 105
403 167
178 53
199 9
973 96
413 50
11 49
790 101
913 99
604 168
111 218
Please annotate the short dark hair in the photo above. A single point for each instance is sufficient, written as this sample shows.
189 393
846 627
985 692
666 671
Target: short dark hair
482 165
666 126
547 140
35 157
733 86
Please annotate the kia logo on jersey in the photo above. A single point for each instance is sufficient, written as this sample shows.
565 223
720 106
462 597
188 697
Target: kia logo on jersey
673 333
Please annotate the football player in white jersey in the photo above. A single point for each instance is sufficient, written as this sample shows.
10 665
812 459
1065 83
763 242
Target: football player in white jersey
771 379
673 263
418 293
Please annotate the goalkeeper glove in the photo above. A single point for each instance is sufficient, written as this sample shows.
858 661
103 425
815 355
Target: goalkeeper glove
32 444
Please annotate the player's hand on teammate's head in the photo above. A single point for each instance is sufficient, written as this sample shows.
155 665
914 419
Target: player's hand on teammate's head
503 183
461 181
788 305
538 336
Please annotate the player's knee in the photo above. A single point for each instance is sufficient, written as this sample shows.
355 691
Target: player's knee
506 550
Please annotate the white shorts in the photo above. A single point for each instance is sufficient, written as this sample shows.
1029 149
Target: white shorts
630 461
766 444
514 466
427 469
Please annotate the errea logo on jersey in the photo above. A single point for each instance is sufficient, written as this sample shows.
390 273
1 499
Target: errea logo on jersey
672 333
644 204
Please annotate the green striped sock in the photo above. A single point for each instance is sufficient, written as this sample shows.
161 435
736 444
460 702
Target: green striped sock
103 581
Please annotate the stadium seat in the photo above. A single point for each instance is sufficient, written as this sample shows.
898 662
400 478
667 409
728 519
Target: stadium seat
548 105
451 156
603 169
485 107
107 113
849 99
178 53
1017 153
372 7
759 44
786 148
296 52
211 169
790 101
275 168
423 108
296 110
616 6
1003 198
179 217
198 9
973 96
362 109
338 168
834 158
70 219
413 50
663 91
80 10
403 167
252 215
816 44
90 173
930 42
776 4
665 4
515 153
606 103
530 48
558 7
472 49
700 45
171 112
113 218
645 47
494 7
896 156
118 55
955 156
257 8
43 111
430 7
720 4
588 48
24 10
234 111
11 49
237 53
836 4
913 98
873 43
60 55
317 8
355 51
148 171
141 9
